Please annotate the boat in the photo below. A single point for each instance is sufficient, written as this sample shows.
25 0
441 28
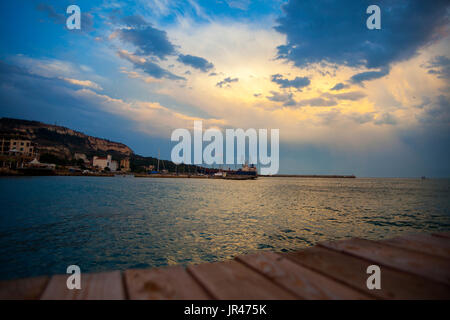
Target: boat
36 168
245 173
218 175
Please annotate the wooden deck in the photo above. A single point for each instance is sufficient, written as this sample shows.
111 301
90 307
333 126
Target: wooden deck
412 267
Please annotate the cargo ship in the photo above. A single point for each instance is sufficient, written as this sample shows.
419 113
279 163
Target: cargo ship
245 173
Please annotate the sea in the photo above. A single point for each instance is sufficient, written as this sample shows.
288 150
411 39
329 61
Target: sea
118 223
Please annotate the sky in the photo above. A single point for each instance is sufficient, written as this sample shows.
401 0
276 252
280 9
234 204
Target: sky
346 99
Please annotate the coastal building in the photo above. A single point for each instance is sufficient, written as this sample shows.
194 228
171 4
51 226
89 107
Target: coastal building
114 165
101 162
125 165
17 147
15 152
105 162
35 164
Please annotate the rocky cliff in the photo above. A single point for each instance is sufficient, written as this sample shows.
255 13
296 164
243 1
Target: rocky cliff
61 141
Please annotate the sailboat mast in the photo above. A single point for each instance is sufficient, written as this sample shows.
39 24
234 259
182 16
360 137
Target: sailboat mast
158 161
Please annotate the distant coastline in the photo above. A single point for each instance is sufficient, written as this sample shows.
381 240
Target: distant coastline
309 176
18 173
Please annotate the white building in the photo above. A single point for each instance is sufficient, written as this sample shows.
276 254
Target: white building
114 165
103 162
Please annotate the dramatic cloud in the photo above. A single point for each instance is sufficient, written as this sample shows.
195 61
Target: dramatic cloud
23 91
196 62
336 32
148 40
298 82
226 82
395 125
359 78
148 66
154 43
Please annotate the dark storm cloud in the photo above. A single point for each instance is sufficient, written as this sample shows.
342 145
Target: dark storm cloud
359 78
149 67
226 81
335 31
153 42
298 82
156 71
148 40
195 62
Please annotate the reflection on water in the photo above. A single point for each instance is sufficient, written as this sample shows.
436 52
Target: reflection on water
48 223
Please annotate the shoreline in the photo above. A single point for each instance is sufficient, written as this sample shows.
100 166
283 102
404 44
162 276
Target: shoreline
14 173
309 176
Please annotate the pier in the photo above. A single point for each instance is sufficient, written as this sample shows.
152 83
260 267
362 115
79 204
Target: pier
413 266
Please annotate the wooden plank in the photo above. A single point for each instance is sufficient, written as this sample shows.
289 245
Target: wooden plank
427 266
231 280
299 280
173 283
422 243
442 234
352 271
94 286
23 289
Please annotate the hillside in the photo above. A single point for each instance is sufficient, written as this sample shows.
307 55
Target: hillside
61 141
60 144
